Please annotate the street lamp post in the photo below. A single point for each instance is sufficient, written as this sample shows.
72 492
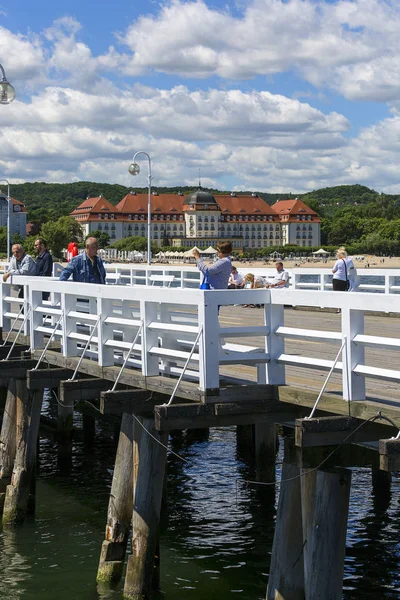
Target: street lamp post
7 92
134 169
8 217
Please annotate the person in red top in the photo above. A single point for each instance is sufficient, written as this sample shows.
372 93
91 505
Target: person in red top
72 250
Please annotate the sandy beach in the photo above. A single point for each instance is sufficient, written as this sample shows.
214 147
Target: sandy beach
374 262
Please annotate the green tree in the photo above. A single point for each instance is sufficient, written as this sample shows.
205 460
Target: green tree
102 237
58 234
137 243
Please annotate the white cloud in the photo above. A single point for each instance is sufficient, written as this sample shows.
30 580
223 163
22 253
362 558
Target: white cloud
350 46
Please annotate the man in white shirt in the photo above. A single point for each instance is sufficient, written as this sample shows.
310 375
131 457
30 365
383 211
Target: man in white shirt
235 280
281 279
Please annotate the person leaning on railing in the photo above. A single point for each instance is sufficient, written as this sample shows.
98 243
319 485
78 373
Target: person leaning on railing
86 267
219 272
20 264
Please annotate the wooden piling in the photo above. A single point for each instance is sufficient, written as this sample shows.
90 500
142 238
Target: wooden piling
148 487
120 507
65 415
18 492
265 447
8 441
286 579
325 501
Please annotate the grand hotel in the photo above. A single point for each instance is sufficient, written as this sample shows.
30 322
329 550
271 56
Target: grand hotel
202 219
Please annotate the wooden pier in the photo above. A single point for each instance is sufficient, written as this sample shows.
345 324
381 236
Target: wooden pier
172 359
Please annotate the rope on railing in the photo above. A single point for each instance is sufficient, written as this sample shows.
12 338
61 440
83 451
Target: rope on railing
327 379
85 348
127 356
49 341
21 310
185 367
19 331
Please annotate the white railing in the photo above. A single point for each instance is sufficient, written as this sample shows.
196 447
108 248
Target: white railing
383 281
172 320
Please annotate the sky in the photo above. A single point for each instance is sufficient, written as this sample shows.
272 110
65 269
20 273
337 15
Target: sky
261 95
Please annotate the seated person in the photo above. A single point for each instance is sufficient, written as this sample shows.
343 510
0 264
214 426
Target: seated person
251 282
281 279
235 280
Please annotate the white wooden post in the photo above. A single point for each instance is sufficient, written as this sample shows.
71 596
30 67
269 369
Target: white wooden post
5 322
353 354
104 333
36 320
69 347
209 344
148 313
274 344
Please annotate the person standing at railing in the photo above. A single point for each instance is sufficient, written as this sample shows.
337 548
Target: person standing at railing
44 262
86 267
343 271
219 273
20 264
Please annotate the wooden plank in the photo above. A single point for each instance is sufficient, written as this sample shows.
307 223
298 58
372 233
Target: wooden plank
128 401
16 368
326 431
46 378
192 416
16 352
389 455
82 389
156 383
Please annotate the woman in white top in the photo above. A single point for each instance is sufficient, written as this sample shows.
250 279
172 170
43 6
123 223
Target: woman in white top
342 271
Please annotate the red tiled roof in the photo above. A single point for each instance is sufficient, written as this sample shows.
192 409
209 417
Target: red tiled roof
18 203
249 205
293 208
97 204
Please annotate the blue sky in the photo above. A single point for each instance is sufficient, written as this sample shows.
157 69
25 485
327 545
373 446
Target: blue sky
262 95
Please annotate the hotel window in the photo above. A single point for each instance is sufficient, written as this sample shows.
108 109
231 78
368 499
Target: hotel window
106 216
112 216
298 217
270 218
168 217
99 216
136 217
174 217
130 217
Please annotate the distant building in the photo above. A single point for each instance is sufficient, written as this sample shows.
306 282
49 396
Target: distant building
300 225
17 216
202 219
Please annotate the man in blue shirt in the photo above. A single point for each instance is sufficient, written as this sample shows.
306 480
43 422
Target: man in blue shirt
86 267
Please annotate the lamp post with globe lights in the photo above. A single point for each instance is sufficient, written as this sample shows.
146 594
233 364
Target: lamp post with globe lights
7 92
134 169
8 217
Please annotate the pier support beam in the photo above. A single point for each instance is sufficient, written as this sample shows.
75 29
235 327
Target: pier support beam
149 469
17 493
119 508
286 577
8 441
325 505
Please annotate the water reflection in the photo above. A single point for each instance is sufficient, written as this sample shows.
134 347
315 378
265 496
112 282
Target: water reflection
217 530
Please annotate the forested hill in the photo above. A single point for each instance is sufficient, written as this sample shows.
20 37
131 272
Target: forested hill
350 213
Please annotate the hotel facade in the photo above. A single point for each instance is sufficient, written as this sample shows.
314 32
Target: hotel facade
202 219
